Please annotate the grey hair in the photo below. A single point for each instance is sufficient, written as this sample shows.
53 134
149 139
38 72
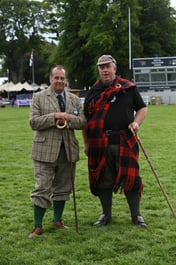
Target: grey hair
59 67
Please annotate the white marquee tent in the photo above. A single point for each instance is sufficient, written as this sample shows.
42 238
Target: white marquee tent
11 87
6 86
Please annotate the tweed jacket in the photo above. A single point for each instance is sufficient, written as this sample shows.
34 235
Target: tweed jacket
48 138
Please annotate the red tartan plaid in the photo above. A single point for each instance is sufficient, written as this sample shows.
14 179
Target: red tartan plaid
128 162
98 141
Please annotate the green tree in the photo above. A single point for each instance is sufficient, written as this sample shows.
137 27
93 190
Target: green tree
41 65
70 52
88 29
157 28
98 27
22 25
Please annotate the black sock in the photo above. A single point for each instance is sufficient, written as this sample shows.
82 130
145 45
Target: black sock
133 199
105 197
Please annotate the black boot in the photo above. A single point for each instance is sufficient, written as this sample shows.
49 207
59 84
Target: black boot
133 199
103 220
105 197
138 220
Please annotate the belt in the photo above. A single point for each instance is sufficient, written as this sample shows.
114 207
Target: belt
112 133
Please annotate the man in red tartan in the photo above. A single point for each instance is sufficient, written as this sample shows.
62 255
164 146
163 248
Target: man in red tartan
113 107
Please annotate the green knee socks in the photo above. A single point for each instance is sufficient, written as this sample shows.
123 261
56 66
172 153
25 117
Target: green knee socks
38 215
58 208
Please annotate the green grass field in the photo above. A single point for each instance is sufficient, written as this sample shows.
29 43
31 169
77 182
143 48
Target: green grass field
119 243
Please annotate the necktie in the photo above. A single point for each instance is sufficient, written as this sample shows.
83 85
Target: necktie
61 103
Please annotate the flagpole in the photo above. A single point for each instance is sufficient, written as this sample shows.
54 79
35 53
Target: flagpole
33 77
31 64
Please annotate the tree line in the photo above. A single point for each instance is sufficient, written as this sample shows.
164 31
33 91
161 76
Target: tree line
75 33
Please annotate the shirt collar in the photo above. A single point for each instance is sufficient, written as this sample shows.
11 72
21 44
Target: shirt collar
62 94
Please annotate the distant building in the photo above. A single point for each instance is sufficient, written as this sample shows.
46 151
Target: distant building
157 73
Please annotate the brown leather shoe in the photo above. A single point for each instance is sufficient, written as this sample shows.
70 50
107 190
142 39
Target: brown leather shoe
36 232
60 225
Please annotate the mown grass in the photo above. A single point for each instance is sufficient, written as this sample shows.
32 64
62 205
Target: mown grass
119 243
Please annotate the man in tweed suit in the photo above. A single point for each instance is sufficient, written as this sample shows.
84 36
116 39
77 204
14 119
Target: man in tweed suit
50 150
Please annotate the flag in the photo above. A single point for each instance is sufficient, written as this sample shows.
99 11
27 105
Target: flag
31 59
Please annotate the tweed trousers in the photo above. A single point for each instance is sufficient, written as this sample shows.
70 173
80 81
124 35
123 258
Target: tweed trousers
52 180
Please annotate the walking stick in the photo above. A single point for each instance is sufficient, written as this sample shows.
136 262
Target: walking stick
72 179
156 176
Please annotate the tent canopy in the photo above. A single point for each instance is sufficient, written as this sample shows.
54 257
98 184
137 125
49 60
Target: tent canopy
11 87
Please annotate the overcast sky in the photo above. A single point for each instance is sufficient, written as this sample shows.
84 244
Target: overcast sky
173 3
